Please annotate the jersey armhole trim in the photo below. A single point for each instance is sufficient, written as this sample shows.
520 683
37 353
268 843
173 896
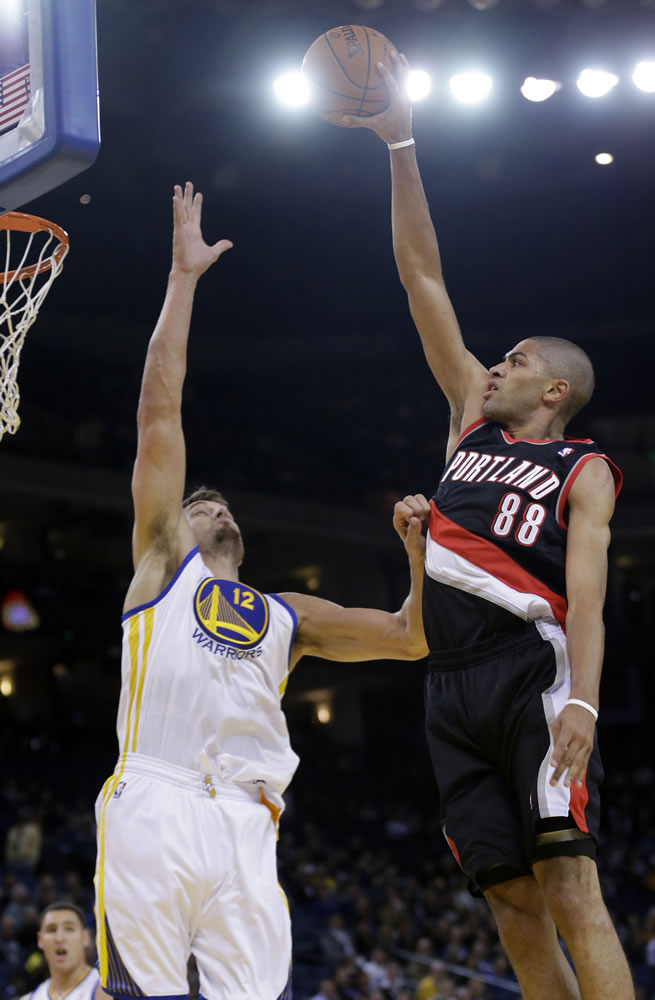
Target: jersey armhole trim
149 604
573 475
294 621
467 430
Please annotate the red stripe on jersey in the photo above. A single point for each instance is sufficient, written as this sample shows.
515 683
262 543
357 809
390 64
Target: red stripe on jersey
451 844
573 475
578 804
492 560
467 430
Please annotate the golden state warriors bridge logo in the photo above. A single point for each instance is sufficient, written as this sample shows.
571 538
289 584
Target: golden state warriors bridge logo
230 613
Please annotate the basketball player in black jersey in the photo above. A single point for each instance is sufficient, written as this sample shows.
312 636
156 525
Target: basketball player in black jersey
516 567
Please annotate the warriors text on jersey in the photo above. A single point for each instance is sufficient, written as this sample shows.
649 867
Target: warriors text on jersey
496 548
203 672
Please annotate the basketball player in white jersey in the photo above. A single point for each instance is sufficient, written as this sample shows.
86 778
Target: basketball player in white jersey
516 570
187 822
62 938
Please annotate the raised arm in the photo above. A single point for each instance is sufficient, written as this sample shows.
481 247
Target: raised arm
336 633
460 375
160 530
591 505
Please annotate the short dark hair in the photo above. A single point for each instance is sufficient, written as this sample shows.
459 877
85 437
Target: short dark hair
204 493
565 359
63 904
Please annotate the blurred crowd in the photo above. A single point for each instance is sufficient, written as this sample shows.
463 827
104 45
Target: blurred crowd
312 435
379 907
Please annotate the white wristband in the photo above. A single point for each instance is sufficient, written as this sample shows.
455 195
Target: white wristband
400 145
582 704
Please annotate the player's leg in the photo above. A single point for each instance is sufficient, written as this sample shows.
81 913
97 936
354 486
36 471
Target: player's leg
572 892
242 942
469 720
141 894
529 937
561 827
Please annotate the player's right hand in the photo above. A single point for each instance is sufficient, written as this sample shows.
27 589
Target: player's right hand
411 517
394 124
191 255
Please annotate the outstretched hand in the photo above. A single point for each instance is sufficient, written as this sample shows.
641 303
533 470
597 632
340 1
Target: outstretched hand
191 255
394 124
411 517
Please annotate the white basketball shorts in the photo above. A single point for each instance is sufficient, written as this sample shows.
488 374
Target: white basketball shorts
187 864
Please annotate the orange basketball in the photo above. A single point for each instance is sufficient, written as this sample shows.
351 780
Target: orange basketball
341 69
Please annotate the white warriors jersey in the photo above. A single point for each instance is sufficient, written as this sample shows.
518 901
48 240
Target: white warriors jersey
204 668
84 990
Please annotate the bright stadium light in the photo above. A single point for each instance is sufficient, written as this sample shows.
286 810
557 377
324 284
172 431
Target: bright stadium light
292 89
644 76
419 84
534 89
604 159
470 88
596 82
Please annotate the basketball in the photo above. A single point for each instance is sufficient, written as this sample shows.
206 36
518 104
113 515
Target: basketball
341 69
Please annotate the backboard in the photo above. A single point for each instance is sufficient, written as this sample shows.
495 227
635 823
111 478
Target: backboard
49 126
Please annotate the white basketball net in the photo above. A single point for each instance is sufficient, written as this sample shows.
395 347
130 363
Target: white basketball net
25 280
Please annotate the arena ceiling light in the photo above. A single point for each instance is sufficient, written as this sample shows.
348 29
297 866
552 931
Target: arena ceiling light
419 84
644 76
292 89
534 89
471 87
596 82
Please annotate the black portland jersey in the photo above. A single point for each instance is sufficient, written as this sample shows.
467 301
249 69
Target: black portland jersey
496 549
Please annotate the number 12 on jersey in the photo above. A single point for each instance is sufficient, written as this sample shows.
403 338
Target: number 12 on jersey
529 525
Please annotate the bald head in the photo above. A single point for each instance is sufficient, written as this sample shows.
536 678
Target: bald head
566 360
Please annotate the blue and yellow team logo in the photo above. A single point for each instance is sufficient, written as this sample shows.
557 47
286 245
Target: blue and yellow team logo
231 613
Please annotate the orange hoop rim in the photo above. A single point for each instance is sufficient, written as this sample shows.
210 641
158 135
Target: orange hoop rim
24 223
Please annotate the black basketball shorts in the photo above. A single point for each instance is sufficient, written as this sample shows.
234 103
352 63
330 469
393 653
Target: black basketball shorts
489 713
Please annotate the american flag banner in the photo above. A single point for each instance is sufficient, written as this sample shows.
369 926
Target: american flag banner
14 95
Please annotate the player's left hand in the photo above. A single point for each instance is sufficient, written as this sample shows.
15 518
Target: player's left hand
394 124
573 737
411 517
191 255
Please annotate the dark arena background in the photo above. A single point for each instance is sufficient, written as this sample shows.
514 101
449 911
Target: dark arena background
309 403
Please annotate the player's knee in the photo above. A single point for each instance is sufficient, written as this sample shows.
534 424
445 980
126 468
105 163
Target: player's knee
517 904
572 893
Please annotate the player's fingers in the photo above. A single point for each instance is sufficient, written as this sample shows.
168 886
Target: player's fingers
578 768
177 203
414 504
402 509
221 247
565 758
356 121
390 80
423 502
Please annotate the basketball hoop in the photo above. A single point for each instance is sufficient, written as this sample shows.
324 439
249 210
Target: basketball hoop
32 253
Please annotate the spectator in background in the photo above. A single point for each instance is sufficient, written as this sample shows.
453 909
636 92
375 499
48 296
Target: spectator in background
23 843
429 985
376 969
424 951
336 942
326 991
11 952
63 938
